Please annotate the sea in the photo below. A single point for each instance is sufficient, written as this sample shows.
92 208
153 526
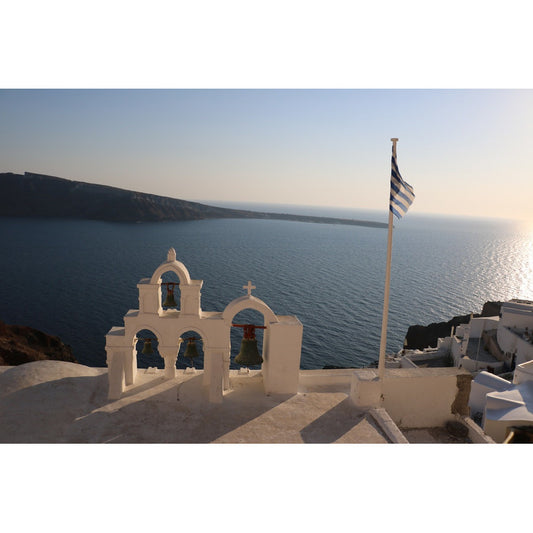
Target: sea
76 279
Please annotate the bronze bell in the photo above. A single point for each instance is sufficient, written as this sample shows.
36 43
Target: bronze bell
249 354
191 350
147 348
170 300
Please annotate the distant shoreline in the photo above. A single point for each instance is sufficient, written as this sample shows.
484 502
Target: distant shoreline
320 220
260 216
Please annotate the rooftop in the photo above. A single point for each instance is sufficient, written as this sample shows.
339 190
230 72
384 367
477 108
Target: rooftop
53 401
59 402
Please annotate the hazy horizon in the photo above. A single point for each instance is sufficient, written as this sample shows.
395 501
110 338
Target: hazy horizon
380 213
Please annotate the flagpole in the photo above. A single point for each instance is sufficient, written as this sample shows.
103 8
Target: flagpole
383 344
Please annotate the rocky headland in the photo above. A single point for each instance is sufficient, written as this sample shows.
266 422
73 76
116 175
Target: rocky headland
38 195
22 344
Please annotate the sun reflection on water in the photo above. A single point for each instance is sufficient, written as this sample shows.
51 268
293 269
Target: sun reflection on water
511 262
526 270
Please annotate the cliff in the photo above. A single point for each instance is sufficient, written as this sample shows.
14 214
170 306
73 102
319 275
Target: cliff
21 344
420 337
38 195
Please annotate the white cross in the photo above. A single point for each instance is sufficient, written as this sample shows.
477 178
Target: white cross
249 288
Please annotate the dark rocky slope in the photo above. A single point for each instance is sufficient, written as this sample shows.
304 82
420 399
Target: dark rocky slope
22 344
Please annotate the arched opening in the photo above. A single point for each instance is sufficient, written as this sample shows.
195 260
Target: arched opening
246 316
170 291
146 347
192 345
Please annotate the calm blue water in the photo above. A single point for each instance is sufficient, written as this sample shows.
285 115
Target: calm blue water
77 279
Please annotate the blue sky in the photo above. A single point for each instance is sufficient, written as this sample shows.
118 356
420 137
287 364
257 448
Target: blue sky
464 151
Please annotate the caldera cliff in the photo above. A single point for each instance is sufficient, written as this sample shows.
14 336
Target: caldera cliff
22 344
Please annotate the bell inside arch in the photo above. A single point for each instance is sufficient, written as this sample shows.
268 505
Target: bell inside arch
170 301
249 354
191 351
147 348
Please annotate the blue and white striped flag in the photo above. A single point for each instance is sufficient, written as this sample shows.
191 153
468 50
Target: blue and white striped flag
401 193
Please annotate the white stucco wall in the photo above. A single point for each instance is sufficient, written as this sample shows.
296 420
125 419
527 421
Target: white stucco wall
484 383
282 358
327 380
497 429
480 324
457 350
461 330
414 398
523 373
516 315
472 365
508 408
444 344
509 342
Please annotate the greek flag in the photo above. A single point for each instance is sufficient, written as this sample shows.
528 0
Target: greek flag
401 193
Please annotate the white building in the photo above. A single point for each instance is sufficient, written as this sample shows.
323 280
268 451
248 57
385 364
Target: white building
495 344
504 404
515 331
473 346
